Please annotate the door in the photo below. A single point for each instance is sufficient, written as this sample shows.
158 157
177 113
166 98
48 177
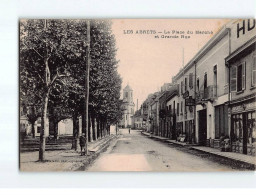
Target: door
245 133
174 131
202 128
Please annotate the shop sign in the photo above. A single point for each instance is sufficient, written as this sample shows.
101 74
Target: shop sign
241 32
190 101
243 107
185 95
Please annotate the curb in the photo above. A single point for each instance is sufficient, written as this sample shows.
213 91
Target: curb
90 159
247 164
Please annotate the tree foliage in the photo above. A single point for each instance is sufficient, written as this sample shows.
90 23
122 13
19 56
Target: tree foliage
52 69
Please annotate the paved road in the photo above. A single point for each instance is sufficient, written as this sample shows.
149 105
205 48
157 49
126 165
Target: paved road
136 152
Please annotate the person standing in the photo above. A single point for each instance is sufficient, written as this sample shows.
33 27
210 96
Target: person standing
82 143
129 130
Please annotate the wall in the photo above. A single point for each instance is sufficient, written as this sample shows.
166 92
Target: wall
65 127
245 34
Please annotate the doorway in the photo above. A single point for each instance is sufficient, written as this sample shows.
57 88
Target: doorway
202 127
245 133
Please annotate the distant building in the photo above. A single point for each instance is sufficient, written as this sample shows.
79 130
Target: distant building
127 107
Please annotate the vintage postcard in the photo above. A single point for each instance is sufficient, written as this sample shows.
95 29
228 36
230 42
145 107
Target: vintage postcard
168 95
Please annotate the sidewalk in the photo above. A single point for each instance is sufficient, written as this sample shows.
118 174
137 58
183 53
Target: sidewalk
241 158
63 160
250 160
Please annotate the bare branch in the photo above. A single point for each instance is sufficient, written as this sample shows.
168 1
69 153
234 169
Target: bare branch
35 51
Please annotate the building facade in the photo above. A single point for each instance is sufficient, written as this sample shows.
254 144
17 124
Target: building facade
127 107
242 68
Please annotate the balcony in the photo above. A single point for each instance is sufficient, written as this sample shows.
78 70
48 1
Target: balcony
207 94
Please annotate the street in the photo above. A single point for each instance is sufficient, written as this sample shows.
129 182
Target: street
135 152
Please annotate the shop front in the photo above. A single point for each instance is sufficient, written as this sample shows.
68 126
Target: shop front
243 127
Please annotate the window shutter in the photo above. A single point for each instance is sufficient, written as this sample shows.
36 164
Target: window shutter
181 87
243 75
233 75
254 71
191 80
178 89
186 84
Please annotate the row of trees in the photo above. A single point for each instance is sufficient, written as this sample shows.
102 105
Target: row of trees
53 71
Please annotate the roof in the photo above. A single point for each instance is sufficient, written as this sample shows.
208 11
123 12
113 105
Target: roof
248 44
212 42
128 88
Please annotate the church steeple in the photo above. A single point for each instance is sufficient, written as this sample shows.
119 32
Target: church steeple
128 94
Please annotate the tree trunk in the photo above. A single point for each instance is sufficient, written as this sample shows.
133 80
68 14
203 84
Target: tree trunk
75 132
101 129
33 129
43 127
93 128
83 123
55 128
98 128
89 129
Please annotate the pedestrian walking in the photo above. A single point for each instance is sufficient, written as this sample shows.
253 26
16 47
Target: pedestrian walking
82 143
129 130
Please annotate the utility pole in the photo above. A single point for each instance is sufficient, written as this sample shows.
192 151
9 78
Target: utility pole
184 105
87 84
194 132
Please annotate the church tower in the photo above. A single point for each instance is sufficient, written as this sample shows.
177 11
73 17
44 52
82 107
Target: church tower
128 107
127 94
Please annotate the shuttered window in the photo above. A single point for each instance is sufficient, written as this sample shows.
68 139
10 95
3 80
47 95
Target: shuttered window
241 77
181 87
191 80
254 71
233 78
186 84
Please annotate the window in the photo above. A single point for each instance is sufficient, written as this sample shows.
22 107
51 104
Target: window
190 80
126 117
186 83
233 79
205 80
241 77
38 129
197 84
170 108
215 80
181 87
178 108
181 107
131 94
254 71
178 87
126 94
173 107
237 79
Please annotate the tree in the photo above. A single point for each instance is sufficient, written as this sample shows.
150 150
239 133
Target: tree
52 71
46 47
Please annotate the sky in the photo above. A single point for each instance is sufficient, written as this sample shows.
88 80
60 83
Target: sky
146 62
